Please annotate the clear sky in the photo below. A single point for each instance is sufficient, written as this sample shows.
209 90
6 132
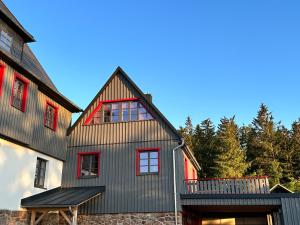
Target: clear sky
206 59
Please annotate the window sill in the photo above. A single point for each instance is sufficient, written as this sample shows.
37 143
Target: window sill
53 129
40 187
18 108
88 177
146 174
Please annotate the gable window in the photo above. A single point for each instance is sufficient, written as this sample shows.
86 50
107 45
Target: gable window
119 111
19 93
51 113
5 41
40 172
147 161
2 70
88 164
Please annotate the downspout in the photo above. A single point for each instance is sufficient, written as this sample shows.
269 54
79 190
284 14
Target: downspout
174 179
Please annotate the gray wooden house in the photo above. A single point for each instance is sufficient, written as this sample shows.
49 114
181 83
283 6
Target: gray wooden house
123 151
121 162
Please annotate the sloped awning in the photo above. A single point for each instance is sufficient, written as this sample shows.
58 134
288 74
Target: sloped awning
60 199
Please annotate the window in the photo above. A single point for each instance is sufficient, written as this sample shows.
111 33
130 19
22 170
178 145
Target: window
19 93
148 161
2 70
40 172
5 41
88 164
123 111
51 114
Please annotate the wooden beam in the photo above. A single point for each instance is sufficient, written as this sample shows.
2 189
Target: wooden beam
65 217
74 218
32 219
40 218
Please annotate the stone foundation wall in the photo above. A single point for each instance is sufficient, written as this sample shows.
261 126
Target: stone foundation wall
8 217
23 218
129 219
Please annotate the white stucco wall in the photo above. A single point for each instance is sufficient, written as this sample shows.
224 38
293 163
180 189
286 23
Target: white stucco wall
17 172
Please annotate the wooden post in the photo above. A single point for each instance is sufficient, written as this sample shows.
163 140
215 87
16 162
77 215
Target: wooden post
65 217
32 219
74 218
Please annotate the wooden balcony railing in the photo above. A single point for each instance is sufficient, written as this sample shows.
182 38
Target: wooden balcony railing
247 185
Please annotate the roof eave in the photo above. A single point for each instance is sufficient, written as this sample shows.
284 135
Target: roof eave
42 87
27 37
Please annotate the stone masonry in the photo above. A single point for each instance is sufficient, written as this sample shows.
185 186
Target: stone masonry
23 218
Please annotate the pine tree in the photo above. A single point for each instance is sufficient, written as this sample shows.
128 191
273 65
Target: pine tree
262 149
204 145
285 156
295 145
231 158
187 132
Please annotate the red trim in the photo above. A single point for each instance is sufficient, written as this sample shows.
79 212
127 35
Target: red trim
79 154
2 72
88 120
24 98
137 158
186 169
55 115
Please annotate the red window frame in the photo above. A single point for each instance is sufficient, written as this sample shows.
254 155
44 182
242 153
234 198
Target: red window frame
186 169
90 117
48 103
24 97
79 154
2 72
140 150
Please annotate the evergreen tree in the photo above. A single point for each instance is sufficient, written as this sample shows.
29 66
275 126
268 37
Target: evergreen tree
231 158
285 156
204 145
187 132
262 149
295 142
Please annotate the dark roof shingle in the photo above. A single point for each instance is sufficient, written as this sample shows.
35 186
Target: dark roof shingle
62 197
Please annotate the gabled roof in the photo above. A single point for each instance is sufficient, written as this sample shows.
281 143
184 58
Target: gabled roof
32 69
120 71
9 18
279 188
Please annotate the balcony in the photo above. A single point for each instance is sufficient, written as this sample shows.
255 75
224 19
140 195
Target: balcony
247 185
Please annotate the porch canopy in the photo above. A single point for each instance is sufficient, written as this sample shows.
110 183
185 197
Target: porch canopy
60 199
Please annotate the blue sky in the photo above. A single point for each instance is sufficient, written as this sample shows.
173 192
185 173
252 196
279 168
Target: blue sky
206 59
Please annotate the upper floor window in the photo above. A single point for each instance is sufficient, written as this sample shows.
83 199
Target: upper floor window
88 164
51 113
40 173
123 111
5 41
148 161
2 70
19 93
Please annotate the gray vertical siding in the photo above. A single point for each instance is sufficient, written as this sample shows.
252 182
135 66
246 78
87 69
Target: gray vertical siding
125 192
28 127
291 210
124 132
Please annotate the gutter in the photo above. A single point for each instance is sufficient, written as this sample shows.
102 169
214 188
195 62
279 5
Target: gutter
174 179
